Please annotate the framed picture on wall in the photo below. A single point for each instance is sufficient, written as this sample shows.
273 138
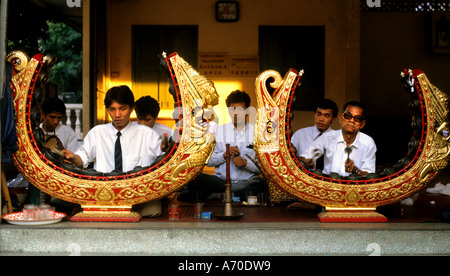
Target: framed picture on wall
441 32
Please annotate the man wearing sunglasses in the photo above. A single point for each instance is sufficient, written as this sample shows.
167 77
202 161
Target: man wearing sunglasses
348 150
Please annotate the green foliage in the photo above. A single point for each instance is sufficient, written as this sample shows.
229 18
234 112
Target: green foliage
65 44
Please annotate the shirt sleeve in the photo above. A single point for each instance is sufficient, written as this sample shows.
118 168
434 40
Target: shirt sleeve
295 142
217 158
316 149
369 160
87 151
217 155
72 143
250 165
155 147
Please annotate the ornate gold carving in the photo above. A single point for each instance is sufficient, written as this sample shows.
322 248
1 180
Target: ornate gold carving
351 215
107 214
277 194
351 197
200 138
104 194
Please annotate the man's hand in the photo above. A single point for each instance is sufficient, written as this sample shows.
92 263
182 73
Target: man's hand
349 165
234 151
70 157
309 162
351 168
165 143
239 162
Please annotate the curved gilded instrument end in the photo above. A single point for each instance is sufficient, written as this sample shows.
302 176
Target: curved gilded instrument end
273 94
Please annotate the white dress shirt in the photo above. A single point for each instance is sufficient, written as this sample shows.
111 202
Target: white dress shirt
304 137
140 147
228 134
332 144
162 129
66 135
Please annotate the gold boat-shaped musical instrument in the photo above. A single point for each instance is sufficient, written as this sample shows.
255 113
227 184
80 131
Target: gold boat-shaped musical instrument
350 198
110 197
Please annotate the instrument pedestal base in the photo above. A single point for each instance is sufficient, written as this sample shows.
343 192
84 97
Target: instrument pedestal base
107 214
351 215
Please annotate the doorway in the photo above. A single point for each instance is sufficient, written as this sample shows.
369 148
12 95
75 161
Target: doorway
149 42
297 47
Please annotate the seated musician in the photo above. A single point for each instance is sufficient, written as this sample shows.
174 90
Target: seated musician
346 151
324 115
52 111
147 111
118 146
244 174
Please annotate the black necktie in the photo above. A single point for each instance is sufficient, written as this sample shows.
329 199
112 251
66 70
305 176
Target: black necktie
320 134
118 153
320 161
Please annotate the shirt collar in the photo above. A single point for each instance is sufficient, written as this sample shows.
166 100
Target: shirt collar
317 133
340 139
123 131
42 126
242 130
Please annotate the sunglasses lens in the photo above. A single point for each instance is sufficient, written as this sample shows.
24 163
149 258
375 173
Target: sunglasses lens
349 116
358 119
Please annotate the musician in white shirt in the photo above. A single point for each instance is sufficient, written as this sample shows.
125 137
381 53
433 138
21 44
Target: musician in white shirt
147 111
348 150
244 174
52 112
324 115
140 145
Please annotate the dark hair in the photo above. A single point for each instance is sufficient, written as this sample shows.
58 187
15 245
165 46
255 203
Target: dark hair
147 106
53 104
328 104
121 94
238 96
357 104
